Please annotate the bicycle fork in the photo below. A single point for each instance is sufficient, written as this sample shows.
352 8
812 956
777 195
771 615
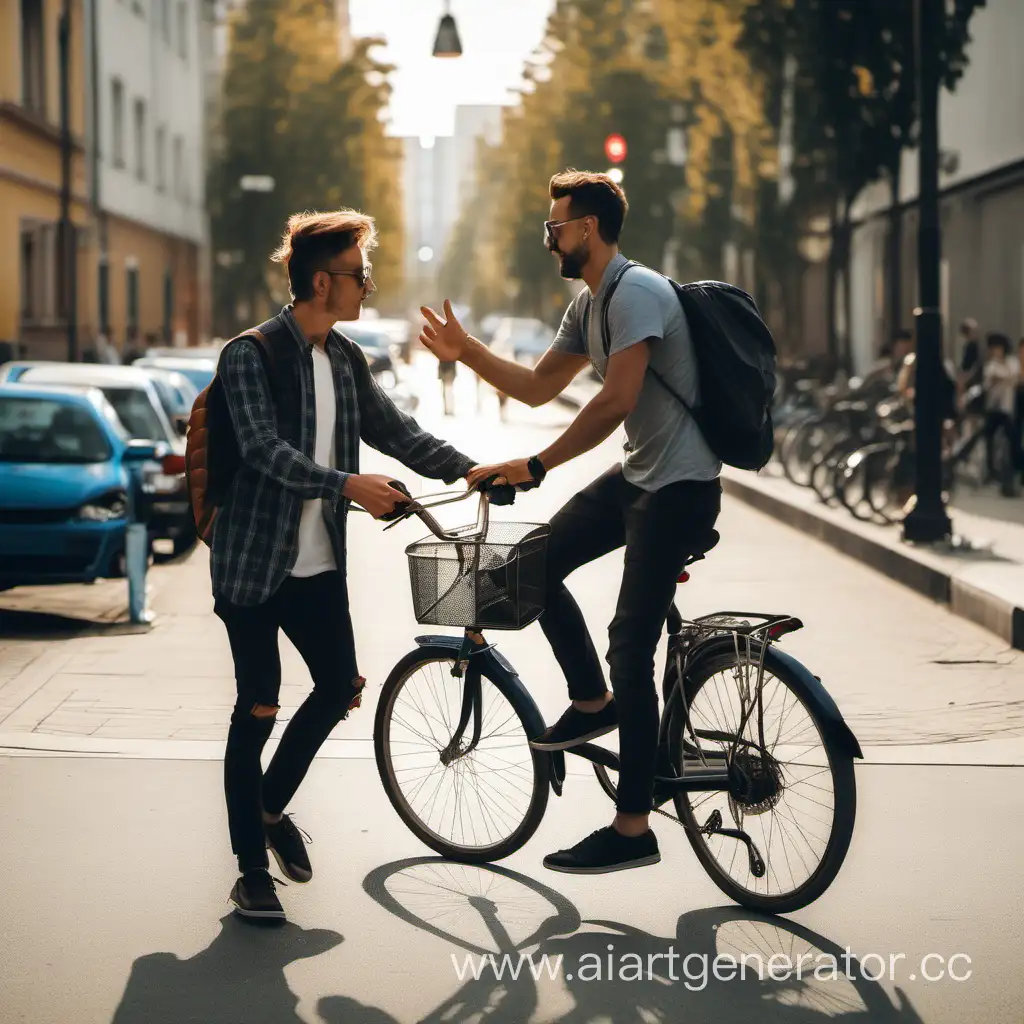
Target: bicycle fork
467 666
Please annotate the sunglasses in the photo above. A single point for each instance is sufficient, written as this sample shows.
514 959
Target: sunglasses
551 225
363 275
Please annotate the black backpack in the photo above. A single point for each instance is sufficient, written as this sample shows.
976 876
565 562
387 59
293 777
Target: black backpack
735 355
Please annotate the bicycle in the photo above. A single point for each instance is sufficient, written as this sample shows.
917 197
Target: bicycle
722 757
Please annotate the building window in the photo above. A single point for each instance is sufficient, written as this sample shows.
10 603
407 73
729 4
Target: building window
182 29
177 168
161 159
38 265
132 292
168 306
33 56
140 140
117 120
103 289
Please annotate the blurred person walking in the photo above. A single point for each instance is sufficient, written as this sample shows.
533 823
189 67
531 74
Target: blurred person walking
1001 376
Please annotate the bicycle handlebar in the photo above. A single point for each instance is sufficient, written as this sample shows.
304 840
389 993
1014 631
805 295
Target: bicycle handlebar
488 493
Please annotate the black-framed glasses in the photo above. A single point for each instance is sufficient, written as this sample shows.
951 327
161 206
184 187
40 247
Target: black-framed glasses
550 225
363 276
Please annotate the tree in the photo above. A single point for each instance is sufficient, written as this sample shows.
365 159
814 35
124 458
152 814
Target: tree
292 110
855 107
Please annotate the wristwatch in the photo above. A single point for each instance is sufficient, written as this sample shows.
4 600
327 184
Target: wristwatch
536 468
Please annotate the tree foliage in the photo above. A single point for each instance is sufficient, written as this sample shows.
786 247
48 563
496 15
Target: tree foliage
293 110
639 66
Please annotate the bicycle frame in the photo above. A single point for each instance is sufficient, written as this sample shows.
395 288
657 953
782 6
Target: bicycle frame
748 635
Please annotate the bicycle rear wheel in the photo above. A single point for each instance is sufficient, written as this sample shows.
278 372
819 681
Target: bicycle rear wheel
471 805
796 798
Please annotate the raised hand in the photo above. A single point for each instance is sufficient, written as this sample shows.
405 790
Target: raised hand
445 338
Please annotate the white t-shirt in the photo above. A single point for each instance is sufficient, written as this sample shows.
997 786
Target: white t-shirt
315 552
1001 376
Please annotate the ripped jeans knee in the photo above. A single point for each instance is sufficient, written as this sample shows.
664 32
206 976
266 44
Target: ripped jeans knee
255 717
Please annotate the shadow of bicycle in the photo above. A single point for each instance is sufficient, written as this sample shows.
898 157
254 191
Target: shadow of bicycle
612 971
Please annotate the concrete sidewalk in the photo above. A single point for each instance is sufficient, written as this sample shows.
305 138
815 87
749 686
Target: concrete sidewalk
982 581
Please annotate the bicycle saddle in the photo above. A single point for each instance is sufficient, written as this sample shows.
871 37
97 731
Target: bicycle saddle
704 547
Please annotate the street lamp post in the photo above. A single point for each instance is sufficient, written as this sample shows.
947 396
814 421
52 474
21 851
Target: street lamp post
927 522
253 185
67 261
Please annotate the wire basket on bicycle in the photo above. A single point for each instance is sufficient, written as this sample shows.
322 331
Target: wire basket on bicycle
492 582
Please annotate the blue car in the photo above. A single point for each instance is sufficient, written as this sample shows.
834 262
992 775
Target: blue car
67 470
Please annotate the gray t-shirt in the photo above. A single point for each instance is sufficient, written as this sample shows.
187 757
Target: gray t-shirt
664 444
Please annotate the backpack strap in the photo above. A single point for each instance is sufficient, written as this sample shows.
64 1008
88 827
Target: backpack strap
606 333
268 355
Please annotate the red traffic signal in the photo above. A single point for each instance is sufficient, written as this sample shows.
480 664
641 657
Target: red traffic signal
615 148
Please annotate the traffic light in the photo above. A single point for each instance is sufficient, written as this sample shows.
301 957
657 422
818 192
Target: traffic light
615 148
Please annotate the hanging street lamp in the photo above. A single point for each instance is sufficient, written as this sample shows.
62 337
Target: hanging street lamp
447 43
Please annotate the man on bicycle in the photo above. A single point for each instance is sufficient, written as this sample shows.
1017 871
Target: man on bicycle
661 504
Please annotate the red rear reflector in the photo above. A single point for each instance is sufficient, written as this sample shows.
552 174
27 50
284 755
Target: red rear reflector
173 464
683 577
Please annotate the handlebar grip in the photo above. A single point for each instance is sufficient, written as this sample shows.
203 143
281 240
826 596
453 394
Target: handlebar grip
499 494
401 508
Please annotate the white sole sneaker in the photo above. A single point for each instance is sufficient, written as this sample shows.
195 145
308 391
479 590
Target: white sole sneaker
640 862
576 742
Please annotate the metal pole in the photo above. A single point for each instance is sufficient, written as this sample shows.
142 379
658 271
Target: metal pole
66 245
928 521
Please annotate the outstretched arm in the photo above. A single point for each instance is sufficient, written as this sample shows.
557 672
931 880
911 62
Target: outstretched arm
538 385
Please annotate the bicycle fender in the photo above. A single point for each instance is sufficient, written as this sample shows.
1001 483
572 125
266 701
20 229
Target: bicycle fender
814 692
498 668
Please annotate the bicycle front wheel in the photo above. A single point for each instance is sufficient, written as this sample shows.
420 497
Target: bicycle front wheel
470 802
793 793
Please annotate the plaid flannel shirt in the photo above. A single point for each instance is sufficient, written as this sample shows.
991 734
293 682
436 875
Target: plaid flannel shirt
255 539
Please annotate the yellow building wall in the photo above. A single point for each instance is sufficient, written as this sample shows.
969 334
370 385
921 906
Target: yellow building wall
153 253
30 167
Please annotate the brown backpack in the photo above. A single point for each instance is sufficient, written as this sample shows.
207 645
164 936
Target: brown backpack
212 455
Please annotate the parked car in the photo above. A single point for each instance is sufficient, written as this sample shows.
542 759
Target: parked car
199 370
208 352
177 395
67 470
137 403
376 344
523 339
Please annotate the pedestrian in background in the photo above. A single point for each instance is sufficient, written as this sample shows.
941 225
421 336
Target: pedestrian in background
1001 377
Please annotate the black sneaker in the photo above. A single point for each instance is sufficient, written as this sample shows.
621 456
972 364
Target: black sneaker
254 895
606 850
287 842
576 727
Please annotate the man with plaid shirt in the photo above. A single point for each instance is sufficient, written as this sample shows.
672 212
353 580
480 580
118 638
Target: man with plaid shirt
278 546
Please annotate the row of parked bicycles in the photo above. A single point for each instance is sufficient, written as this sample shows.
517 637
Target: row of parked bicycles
855 448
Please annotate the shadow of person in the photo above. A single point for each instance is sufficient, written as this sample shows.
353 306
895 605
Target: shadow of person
615 972
238 979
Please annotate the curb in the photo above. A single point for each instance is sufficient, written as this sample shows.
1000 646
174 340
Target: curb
991 611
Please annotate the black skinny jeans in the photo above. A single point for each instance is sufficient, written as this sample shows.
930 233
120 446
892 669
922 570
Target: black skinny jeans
313 612
659 531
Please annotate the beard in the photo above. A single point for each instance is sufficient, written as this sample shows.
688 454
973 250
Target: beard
571 264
